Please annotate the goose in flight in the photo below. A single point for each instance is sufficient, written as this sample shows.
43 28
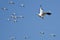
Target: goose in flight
22 5
11 2
4 8
42 13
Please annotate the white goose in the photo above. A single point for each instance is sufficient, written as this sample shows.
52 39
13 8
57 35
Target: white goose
42 13
11 2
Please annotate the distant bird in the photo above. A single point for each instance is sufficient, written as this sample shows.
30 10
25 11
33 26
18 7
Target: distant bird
21 5
8 19
42 33
42 13
12 38
25 37
14 21
4 8
11 2
53 35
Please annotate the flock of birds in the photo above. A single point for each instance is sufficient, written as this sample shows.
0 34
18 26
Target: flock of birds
42 35
41 14
13 16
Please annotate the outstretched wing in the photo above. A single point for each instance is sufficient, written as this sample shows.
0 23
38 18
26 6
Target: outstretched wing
41 10
48 13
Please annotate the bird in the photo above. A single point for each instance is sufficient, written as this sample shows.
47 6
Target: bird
42 33
4 8
53 35
21 5
14 20
42 13
11 2
12 38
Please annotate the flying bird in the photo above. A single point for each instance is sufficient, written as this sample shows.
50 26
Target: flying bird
12 38
42 13
11 2
22 5
53 35
4 8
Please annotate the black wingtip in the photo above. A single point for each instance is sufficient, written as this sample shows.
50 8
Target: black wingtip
48 13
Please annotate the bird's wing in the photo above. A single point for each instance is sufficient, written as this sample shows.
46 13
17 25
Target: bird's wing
48 13
41 10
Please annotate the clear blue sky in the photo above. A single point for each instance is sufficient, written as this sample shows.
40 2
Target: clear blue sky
31 25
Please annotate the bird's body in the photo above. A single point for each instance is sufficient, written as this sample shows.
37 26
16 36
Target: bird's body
42 13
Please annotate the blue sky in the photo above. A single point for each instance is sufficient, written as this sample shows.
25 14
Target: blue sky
31 25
